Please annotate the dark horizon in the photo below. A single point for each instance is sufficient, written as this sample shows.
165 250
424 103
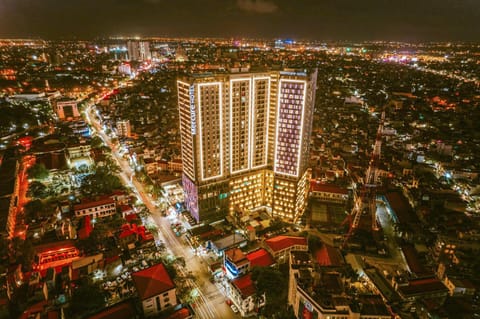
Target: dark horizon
324 20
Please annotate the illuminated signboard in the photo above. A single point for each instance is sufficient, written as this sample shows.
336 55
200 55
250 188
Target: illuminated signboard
193 118
306 310
308 306
290 73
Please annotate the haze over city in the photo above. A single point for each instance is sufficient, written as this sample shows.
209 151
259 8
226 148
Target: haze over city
408 20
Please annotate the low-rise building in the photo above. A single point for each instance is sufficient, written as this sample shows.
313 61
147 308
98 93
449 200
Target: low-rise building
459 287
236 263
260 258
221 245
79 155
281 246
321 294
175 165
242 294
85 266
124 128
155 289
328 193
67 110
97 209
55 254
430 288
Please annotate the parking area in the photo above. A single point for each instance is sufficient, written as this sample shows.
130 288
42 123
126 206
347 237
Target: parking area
116 278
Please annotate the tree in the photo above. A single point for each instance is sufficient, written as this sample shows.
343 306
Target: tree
274 284
96 142
100 183
24 253
37 189
86 299
38 171
314 243
36 209
276 224
115 222
96 240
3 252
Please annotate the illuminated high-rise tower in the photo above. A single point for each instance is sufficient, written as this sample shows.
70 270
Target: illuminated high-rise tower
245 142
139 50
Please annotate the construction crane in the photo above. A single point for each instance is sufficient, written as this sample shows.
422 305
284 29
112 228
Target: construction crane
365 198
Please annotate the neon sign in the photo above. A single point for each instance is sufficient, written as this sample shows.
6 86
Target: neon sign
193 119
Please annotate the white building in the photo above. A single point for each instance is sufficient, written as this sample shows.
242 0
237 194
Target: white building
155 289
96 209
123 128
242 293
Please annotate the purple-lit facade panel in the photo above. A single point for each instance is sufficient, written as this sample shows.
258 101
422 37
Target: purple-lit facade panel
291 102
191 196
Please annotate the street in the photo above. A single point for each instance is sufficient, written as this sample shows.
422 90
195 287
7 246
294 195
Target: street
210 303
395 260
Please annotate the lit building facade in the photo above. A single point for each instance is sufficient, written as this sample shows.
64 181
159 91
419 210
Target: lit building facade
67 110
139 50
245 142
124 128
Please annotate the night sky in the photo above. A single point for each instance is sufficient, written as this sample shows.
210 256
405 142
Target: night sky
404 20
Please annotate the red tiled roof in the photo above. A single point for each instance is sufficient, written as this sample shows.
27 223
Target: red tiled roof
181 313
260 258
126 233
152 281
329 256
85 231
245 285
425 285
53 314
279 243
412 260
328 188
131 217
117 192
235 255
126 208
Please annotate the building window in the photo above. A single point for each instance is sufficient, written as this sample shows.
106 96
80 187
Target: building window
157 301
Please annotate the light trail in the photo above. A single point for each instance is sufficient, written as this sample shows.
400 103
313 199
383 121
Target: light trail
204 306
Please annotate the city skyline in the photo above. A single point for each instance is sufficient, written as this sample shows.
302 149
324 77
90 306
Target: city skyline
205 159
444 20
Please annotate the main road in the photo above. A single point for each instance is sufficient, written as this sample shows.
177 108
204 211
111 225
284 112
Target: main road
210 302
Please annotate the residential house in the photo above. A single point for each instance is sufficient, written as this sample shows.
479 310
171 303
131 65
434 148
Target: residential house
155 289
242 294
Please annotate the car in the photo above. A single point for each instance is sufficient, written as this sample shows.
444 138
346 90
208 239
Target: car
234 308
